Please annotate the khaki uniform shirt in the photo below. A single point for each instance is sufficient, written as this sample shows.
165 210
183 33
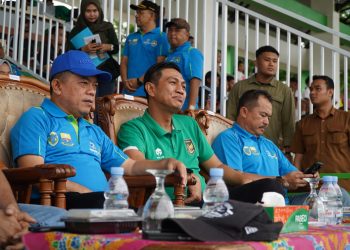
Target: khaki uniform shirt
325 140
282 120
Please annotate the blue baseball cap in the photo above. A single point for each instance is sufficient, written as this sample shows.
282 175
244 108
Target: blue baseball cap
79 63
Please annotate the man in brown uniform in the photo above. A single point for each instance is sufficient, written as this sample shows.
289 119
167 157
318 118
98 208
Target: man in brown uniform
282 119
324 135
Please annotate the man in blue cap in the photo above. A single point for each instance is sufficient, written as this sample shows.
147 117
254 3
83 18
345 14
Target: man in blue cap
56 132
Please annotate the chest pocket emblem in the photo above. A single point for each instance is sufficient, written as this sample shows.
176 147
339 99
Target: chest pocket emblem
176 59
159 153
93 148
271 154
133 41
189 146
154 43
52 139
66 139
246 150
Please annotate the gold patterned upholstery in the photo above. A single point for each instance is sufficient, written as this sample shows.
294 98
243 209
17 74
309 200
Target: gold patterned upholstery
211 124
16 97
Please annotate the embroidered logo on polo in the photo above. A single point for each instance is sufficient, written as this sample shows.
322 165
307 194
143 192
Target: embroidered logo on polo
189 146
133 41
66 139
272 155
52 139
248 150
220 211
159 153
94 149
152 43
176 59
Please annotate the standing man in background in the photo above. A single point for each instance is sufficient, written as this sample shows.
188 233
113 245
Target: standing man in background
282 120
324 135
143 48
189 59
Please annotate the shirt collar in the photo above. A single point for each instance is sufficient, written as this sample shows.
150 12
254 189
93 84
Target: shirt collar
244 132
154 31
51 108
333 110
155 127
273 83
182 47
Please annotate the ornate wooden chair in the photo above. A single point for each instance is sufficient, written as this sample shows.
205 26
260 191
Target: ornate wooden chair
113 111
211 125
16 96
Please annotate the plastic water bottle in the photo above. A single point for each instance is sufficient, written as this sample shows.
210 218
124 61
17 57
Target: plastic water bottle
339 214
116 194
328 196
216 191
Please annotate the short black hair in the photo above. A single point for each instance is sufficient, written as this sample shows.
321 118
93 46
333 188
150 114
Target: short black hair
207 76
329 81
250 98
154 73
293 79
264 49
229 78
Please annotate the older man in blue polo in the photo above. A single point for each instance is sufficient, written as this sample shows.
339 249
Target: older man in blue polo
246 149
56 132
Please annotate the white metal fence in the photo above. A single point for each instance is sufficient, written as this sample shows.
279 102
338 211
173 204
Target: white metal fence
32 38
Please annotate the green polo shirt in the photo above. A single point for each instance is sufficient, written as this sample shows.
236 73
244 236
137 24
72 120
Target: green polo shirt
282 119
185 143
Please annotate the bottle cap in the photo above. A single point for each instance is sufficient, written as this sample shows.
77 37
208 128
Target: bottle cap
327 178
216 172
117 171
335 178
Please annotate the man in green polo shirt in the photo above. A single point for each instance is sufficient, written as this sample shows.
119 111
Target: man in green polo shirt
161 133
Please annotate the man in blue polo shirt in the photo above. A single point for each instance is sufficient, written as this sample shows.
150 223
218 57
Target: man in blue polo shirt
143 48
56 132
245 148
189 59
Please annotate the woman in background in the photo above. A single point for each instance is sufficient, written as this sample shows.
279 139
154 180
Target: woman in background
91 16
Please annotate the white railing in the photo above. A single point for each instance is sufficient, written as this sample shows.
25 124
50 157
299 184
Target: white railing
212 31
28 35
320 58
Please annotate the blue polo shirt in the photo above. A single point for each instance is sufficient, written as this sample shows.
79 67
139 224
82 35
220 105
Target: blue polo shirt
190 62
243 151
142 51
59 138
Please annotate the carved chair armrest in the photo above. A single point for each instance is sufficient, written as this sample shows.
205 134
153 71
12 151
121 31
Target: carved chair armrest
173 180
32 175
50 177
